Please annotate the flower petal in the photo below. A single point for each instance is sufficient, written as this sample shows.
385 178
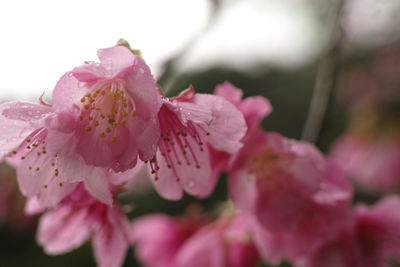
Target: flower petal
110 246
63 229
67 92
143 89
227 127
96 183
18 120
116 60
191 171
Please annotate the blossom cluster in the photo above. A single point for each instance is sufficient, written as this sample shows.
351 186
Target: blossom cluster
109 121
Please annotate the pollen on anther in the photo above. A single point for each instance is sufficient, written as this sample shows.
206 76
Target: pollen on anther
22 157
102 135
156 178
108 130
60 184
86 106
37 169
82 100
28 140
45 186
198 166
113 139
88 128
133 113
81 117
96 124
30 167
14 152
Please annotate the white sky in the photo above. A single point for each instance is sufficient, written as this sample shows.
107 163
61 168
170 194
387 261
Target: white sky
42 39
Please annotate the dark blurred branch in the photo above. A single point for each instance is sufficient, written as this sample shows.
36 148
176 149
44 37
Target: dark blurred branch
326 74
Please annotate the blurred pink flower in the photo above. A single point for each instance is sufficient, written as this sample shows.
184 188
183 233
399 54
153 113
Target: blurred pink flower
189 124
163 241
80 217
159 237
300 198
372 163
372 241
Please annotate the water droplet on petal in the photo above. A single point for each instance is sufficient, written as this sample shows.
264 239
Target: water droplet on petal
191 183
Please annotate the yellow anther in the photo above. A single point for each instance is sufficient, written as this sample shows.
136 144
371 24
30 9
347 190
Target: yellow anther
102 135
86 106
88 128
113 139
108 130
82 100
133 113
81 117
96 124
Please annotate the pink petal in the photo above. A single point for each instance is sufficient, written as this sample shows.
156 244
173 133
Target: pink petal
96 183
193 178
229 92
18 120
146 135
242 189
157 240
254 109
63 230
205 248
228 126
33 206
110 246
116 60
67 92
143 89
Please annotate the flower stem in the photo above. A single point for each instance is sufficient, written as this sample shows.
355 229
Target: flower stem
326 74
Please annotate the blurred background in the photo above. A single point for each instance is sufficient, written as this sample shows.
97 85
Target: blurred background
339 57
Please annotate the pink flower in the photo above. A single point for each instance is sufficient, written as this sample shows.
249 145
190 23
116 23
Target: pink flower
189 124
212 246
159 237
114 105
301 199
254 109
372 241
80 217
162 241
55 147
373 164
